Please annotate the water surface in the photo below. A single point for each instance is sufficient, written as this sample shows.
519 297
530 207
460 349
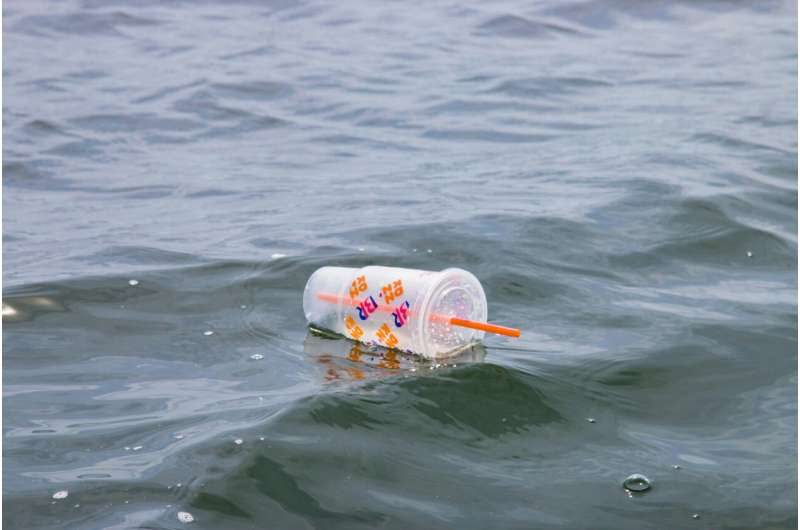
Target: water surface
621 176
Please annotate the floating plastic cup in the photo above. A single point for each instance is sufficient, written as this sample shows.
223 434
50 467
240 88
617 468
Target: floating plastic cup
436 314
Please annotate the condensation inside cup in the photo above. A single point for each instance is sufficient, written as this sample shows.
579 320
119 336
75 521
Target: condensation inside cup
455 301
455 298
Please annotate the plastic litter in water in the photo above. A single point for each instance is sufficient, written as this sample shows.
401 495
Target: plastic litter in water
696 516
676 466
257 356
185 517
591 420
749 254
208 333
133 282
637 483
61 494
238 441
435 314
278 255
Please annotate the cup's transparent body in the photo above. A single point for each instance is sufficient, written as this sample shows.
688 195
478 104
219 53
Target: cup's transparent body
405 309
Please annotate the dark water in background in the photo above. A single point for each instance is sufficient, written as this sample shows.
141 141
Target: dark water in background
620 175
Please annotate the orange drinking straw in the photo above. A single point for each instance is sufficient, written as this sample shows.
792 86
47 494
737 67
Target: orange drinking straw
484 326
461 322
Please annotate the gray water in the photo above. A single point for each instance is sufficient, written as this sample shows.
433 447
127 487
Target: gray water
621 176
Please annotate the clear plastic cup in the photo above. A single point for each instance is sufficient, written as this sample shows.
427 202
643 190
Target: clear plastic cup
405 309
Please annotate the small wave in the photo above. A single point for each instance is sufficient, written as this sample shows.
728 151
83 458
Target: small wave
520 27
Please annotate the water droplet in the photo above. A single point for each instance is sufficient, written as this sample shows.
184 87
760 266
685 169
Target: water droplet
208 333
676 466
591 420
238 441
133 282
256 356
636 482
185 517
696 516
278 255
61 494
749 254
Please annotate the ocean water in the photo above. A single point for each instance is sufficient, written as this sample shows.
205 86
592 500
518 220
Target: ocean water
621 176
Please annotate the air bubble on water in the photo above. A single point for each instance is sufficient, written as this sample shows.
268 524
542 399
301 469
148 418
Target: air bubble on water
278 255
591 420
185 517
208 333
637 483
133 282
238 441
257 356
63 494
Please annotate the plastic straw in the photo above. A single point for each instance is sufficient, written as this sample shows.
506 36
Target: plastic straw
453 321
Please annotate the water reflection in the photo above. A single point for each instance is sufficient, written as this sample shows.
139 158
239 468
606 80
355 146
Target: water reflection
345 360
